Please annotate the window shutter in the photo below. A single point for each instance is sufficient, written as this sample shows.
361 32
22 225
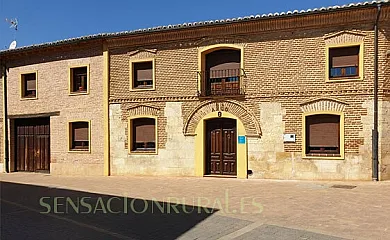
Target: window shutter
143 71
144 74
223 63
30 81
345 61
223 70
144 130
323 130
80 131
80 71
30 85
345 57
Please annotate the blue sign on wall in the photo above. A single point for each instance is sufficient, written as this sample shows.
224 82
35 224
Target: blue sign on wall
241 139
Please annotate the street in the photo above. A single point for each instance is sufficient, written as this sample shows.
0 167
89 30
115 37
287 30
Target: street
42 206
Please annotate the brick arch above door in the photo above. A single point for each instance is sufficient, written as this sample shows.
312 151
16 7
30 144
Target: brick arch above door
251 124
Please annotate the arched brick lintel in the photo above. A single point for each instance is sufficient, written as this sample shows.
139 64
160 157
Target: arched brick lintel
323 104
251 124
142 110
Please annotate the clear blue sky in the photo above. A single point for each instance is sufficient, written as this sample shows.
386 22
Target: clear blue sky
48 20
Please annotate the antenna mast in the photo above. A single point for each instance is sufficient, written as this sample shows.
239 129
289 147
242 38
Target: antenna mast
14 25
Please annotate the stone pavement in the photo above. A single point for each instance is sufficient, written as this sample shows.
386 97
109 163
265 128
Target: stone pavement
35 206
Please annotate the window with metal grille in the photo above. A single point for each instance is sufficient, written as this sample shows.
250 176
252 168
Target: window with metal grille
323 135
79 80
344 62
142 75
79 132
143 134
29 85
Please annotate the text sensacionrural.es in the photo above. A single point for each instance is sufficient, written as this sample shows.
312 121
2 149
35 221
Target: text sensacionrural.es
170 205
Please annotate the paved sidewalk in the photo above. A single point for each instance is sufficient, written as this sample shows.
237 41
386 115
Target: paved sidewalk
167 208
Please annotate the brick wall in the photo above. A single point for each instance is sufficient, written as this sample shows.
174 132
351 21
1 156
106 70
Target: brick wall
53 95
283 68
173 66
287 67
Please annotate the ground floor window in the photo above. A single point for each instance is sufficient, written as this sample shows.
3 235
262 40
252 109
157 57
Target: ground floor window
79 136
143 135
323 135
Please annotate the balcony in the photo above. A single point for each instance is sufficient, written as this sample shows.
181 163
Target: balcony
219 83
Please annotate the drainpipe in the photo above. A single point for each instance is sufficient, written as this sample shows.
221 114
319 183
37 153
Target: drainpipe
5 118
375 135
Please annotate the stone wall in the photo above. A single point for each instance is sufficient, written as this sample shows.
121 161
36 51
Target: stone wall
174 157
265 155
384 143
268 157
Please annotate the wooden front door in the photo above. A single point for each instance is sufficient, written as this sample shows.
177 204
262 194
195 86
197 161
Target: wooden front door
221 154
32 144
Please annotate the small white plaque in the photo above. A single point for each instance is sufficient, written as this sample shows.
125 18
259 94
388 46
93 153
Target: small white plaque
289 137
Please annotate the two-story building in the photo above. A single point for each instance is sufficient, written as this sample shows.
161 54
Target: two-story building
292 95
284 95
55 107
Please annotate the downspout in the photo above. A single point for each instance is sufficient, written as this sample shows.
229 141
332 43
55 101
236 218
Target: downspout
5 118
375 135
106 110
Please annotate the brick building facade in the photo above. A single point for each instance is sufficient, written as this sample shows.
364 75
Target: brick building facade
287 96
59 106
284 78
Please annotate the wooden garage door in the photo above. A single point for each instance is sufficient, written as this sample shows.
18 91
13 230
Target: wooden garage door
32 146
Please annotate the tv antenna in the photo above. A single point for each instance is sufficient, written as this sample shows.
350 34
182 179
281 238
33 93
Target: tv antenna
13 24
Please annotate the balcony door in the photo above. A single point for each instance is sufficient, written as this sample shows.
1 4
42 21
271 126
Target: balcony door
222 72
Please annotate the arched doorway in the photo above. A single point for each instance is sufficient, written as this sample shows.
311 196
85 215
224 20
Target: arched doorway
208 123
221 147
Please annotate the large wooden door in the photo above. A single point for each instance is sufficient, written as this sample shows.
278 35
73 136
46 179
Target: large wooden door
32 144
221 154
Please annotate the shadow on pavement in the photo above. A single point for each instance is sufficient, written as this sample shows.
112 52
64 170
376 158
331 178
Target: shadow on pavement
37 212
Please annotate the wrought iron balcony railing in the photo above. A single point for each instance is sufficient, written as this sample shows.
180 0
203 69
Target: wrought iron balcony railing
226 82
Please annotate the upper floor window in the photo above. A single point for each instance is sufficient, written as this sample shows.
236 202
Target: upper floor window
221 73
344 62
79 136
79 79
29 85
142 75
322 135
143 135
